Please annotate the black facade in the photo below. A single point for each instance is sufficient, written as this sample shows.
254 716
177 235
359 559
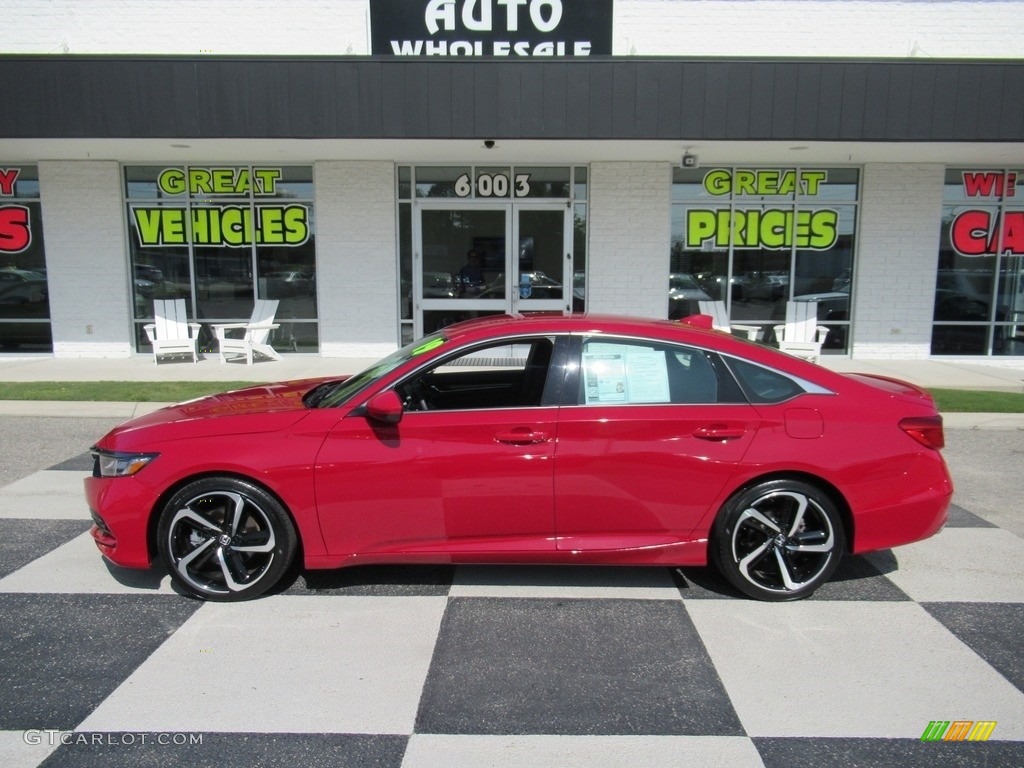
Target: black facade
595 99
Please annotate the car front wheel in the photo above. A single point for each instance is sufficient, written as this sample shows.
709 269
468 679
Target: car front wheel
224 539
778 540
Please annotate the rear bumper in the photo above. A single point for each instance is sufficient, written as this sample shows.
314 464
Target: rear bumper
927 491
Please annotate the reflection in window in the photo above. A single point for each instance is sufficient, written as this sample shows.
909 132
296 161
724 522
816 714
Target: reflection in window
24 295
222 237
757 238
505 375
979 283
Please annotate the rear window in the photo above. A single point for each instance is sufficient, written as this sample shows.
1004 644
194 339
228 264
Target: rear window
763 385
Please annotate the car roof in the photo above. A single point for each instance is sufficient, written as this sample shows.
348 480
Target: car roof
496 326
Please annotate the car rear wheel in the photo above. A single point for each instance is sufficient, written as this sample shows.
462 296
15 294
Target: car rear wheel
779 540
224 539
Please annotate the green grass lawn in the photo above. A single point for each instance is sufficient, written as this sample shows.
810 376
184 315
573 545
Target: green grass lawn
978 401
948 400
116 391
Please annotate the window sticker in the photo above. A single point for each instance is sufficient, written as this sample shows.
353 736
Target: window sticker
647 377
624 374
605 378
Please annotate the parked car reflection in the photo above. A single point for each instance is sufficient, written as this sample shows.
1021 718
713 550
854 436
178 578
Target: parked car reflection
24 300
683 294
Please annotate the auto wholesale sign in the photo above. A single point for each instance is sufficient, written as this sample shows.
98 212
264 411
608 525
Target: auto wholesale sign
510 28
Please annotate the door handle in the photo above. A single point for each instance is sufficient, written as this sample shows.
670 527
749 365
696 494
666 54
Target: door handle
521 436
719 432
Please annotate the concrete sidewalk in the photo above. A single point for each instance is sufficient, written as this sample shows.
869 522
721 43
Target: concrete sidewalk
1006 376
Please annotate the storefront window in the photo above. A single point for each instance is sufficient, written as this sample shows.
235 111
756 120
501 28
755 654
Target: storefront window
757 238
24 297
979 288
222 237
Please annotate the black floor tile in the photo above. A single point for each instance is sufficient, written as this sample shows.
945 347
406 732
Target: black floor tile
63 654
590 666
80 463
992 630
961 518
228 750
25 540
887 753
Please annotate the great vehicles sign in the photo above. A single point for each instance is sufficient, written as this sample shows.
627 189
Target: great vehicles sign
221 223
510 28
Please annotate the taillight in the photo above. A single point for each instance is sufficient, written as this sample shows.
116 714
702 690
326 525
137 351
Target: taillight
927 430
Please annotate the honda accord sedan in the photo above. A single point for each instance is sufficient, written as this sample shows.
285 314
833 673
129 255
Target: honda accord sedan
533 439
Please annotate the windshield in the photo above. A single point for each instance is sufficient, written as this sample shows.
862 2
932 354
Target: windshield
337 393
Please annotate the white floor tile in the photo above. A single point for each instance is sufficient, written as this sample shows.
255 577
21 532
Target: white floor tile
46 495
27 749
981 565
284 664
77 567
430 751
849 669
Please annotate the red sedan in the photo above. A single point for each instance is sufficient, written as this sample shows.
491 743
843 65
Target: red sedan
584 439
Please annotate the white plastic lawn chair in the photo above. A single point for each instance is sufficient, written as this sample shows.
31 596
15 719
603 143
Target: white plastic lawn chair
720 320
801 335
171 333
249 339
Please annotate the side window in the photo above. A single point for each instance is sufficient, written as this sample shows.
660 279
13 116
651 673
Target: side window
506 375
628 373
763 385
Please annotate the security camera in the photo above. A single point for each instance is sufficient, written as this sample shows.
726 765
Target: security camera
690 161
489 143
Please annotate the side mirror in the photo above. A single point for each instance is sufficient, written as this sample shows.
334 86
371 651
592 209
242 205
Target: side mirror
385 407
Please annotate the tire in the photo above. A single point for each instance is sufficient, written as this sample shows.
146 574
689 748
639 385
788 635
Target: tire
779 540
225 540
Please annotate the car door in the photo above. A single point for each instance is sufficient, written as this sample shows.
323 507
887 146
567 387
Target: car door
655 433
468 469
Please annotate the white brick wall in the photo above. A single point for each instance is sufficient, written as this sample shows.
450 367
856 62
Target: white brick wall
628 261
969 28
901 214
357 273
893 28
86 263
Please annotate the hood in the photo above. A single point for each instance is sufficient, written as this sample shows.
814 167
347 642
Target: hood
263 408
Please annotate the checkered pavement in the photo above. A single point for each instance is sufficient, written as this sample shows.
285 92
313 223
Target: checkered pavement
502 666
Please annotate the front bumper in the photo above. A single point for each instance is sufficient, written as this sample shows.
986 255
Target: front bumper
121 507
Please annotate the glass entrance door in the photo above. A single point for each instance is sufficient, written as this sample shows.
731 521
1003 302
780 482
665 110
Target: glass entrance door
543 270
468 266
462 265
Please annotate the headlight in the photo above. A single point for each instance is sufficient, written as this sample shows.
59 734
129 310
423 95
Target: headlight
116 464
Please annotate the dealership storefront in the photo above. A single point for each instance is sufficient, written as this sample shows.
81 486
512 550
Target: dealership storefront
380 197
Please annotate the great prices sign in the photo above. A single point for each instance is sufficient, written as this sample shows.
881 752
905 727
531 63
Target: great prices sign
220 223
15 220
511 28
989 231
763 225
